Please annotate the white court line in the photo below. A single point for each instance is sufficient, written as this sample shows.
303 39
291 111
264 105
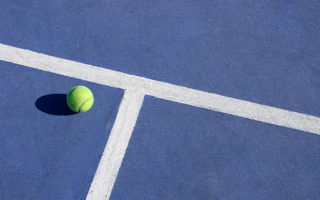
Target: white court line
135 89
161 90
115 149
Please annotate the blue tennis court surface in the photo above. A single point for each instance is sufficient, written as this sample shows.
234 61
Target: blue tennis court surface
48 152
181 152
265 52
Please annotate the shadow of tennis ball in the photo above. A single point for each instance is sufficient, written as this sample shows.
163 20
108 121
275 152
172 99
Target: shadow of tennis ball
54 104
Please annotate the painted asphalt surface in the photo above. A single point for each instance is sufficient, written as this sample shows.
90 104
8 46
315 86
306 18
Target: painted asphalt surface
265 52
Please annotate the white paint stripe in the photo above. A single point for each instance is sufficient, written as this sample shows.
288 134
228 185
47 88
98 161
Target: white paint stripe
162 90
115 149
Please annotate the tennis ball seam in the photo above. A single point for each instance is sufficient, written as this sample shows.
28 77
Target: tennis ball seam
84 103
72 90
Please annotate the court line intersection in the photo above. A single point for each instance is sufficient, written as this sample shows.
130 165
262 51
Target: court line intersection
135 89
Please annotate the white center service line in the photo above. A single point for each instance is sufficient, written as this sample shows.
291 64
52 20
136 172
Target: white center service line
161 90
117 144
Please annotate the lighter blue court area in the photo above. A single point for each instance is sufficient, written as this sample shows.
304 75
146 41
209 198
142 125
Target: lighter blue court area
266 52
46 151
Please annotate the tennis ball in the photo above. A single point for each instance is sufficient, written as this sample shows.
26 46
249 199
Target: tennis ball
80 99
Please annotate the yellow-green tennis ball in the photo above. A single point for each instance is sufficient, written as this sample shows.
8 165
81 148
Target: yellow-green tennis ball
80 99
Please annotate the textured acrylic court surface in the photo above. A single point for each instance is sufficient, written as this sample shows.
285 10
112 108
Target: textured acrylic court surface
181 152
263 51
46 152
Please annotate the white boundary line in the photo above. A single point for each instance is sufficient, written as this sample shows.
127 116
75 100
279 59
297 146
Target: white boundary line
135 89
161 90
117 144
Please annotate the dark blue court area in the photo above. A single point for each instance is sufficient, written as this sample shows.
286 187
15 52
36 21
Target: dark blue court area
265 51
261 51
